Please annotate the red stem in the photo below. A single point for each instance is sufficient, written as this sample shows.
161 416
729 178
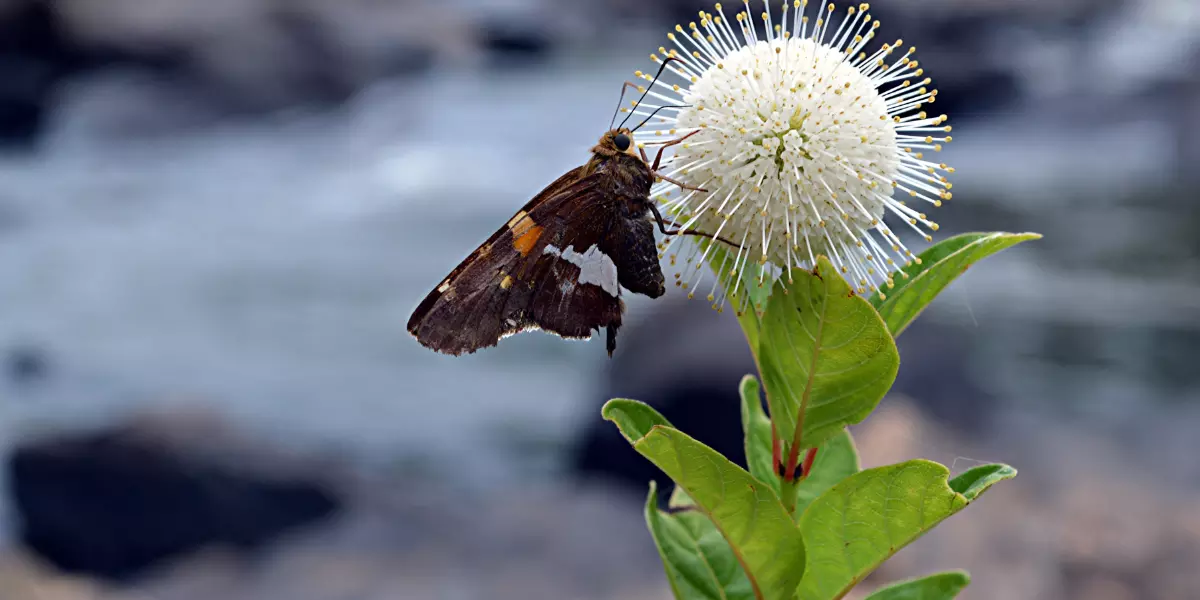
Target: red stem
776 451
808 462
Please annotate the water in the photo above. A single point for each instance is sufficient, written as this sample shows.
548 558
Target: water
267 269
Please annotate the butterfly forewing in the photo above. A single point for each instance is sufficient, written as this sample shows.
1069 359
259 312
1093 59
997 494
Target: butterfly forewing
555 266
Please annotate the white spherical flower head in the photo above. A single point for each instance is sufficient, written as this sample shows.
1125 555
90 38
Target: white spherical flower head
797 139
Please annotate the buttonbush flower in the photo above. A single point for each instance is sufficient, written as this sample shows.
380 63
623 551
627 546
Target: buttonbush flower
807 139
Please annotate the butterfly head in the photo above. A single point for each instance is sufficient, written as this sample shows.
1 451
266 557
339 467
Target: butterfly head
615 142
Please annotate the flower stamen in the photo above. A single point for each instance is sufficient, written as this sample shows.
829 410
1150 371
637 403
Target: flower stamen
797 128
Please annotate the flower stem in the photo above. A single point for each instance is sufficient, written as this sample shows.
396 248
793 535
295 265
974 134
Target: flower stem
787 493
794 452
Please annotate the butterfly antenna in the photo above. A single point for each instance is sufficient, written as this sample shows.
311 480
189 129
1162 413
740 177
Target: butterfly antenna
620 101
666 62
656 112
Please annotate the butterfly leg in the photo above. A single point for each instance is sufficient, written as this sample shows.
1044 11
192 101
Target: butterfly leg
658 157
677 182
662 226
645 158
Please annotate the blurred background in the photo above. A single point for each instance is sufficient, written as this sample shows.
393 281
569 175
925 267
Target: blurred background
217 215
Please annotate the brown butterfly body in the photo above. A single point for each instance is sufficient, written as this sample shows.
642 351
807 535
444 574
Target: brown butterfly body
559 264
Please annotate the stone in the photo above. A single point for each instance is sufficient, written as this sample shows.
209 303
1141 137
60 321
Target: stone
34 56
115 502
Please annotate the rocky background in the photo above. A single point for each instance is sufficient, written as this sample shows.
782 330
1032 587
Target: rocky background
215 216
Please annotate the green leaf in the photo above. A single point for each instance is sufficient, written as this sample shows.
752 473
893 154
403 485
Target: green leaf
975 481
699 562
939 586
757 429
826 357
836 460
633 419
937 267
862 521
748 514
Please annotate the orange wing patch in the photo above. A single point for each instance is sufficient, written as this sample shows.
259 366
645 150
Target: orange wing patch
524 244
525 232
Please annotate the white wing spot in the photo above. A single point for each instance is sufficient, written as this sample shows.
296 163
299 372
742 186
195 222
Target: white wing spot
595 267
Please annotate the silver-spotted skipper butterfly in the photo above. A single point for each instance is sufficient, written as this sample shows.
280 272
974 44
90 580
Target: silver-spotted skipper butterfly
559 264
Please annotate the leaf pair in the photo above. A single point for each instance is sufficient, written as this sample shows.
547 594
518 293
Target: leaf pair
836 460
827 357
727 536
758 532
859 523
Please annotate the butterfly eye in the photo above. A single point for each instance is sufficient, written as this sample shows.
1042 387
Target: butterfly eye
622 142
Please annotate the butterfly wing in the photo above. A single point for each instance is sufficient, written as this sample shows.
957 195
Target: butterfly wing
631 245
551 267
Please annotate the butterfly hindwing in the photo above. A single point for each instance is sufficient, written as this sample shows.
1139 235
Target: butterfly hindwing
630 243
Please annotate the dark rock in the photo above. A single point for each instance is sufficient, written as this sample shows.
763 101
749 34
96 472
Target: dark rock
935 371
34 55
702 410
511 41
112 504
38 51
956 47
406 60
239 58
26 364
685 360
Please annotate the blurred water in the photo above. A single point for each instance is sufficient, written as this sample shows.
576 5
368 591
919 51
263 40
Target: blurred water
267 268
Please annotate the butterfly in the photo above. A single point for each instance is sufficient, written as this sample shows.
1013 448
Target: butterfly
560 262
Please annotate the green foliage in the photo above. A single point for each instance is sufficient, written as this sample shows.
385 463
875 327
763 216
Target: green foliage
940 586
634 419
747 513
974 482
826 357
837 459
698 561
940 265
757 429
862 521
